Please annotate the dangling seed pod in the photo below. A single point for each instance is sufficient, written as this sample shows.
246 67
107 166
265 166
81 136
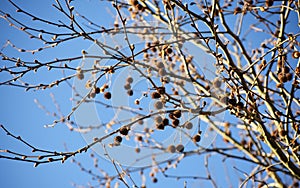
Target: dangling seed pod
97 90
166 121
129 80
171 149
158 119
180 148
160 126
196 138
130 92
177 113
107 95
118 139
175 122
188 125
124 131
155 95
158 105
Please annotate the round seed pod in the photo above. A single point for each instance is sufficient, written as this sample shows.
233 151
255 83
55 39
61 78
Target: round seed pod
160 126
130 92
171 116
158 119
171 149
289 76
160 65
107 95
118 139
155 95
92 95
137 150
282 78
188 125
175 122
158 105
180 148
162 72
169 50
166 121
137 102
286 69
232 101
177 113
97 90
127 86
196 138
124 131
129 80
154 180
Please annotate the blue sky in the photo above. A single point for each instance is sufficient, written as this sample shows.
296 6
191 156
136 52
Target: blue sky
20 115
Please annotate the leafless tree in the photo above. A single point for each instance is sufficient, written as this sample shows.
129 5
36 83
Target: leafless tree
165 78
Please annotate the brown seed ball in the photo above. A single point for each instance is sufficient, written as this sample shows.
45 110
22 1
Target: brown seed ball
171 116
171 149
137 102
107 95
188 125
177 113
158 105
282 78
180 148
97 90
286 69
289 76
175 122
237 10
118 139
162 72
127 86
129 80
158 119
166 121
155 95
196 138
160 65
130 92
154 180
169 50
160 126
124 130
139 138
92 95
137 150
